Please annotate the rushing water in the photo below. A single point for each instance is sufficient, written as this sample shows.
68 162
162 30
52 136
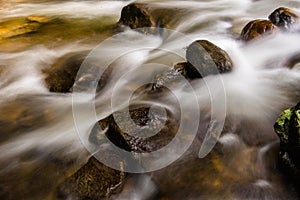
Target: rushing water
41 146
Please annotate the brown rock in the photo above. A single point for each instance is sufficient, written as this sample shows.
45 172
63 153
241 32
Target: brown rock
17 27
136 16
39 18
22 115
92 181
147 17
148 122
283 17
62 75
257 28
204 58
170 77
292 61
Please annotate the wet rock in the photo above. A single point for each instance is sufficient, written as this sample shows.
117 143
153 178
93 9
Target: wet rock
206 58
144 130
257 28
63 73
136 16
92 181
22 115
293 61
283 17
287 127
17 27
148 16
39 18
170 77
35 174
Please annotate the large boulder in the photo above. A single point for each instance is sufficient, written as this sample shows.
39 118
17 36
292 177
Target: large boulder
287 127
257 28
204 58
284 18
61 76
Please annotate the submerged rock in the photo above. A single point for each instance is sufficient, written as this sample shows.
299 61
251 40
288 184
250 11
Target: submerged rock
39 18
92 181
63 73
21 115
287 127
204 58
17 27
283 17
144 130
257 28
293 61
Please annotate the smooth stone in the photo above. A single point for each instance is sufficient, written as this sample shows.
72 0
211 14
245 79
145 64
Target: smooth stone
205 58
258 28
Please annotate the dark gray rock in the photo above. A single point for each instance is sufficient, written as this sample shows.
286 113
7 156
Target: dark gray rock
204 58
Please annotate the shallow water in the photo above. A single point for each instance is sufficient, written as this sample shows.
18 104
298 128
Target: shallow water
40 144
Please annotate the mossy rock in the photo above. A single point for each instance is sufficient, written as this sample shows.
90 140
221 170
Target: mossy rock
92 181
61 76
287 127
257 28
284 18
205 58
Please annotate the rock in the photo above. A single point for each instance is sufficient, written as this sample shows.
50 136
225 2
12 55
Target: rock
39 18
292 61
257 28
148 16
62 74
136 16
207 58
287 127
22 115
17 27
140 139
35 174
283 17
92 181
170 77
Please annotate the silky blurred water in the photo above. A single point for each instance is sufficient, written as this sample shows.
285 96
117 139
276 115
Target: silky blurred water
42 147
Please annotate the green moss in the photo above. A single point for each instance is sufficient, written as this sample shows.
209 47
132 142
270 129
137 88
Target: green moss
285 115
297 112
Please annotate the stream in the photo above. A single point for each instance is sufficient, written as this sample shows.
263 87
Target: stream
44 136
